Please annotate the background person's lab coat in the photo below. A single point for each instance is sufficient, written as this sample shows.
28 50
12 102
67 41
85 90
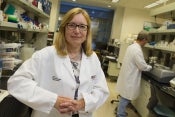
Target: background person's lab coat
39 81
128 83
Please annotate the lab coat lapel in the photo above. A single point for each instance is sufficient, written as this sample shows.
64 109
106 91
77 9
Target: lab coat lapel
83 65
68 66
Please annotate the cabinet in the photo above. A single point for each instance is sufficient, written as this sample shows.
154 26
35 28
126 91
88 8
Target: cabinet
113 70
141 102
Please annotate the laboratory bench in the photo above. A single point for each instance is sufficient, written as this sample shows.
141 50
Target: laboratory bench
165 87
3 83
6 73
154 97
10 106
3 87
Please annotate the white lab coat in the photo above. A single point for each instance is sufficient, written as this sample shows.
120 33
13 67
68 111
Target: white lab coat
39 81
128 83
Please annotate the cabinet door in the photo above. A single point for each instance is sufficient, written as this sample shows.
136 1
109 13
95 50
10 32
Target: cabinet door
113 70
141 102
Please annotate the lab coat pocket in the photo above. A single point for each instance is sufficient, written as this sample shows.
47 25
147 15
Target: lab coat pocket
56 83
91 83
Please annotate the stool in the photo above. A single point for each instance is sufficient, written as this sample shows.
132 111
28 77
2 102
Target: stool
115 100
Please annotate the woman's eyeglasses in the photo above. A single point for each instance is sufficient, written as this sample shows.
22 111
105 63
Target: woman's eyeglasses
73 26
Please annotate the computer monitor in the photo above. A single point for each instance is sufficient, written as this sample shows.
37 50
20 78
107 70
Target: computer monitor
101 46
111 49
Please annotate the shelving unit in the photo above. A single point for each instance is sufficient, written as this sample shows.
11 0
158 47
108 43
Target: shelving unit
29 7
25 26
164 40
25 30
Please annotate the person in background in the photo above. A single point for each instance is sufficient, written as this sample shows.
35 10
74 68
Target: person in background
66 79
128 83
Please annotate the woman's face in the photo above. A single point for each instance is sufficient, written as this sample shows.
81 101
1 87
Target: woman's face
76 30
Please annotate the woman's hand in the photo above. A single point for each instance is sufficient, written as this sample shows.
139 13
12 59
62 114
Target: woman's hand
62 104
77 105
67 105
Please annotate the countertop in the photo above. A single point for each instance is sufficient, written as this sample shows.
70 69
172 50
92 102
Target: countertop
165 87
4 78
3 83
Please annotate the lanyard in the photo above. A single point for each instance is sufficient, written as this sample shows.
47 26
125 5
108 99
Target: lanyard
76 71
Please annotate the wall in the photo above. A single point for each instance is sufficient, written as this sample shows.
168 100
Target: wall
117 23
54 15
130 21
101 16
133 21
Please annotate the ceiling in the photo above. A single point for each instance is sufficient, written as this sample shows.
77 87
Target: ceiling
138 4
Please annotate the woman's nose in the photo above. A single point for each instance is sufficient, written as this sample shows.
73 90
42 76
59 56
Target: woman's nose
77 29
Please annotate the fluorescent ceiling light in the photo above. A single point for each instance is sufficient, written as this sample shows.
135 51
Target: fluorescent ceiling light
158 2
115 0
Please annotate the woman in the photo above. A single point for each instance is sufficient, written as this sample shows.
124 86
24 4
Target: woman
66 79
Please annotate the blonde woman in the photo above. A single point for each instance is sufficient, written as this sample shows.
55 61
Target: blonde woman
66 79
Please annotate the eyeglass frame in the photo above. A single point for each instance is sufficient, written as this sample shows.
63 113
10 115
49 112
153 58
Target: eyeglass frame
77 25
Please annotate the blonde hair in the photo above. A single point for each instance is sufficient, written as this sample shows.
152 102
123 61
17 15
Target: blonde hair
60 41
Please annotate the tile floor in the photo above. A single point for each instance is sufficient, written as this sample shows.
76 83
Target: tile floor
108 109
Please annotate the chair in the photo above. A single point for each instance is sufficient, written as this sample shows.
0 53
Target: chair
11 107
115 100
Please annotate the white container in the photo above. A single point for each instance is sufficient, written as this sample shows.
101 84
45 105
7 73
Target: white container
0 72
0 68
1 16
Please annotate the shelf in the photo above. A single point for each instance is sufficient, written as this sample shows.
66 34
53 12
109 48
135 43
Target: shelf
14 26
38 30
160 48
165 11
149 46
6 25
29 7
163 31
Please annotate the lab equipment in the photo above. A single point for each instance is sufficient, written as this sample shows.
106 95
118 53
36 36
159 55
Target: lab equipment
162 74
172 82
